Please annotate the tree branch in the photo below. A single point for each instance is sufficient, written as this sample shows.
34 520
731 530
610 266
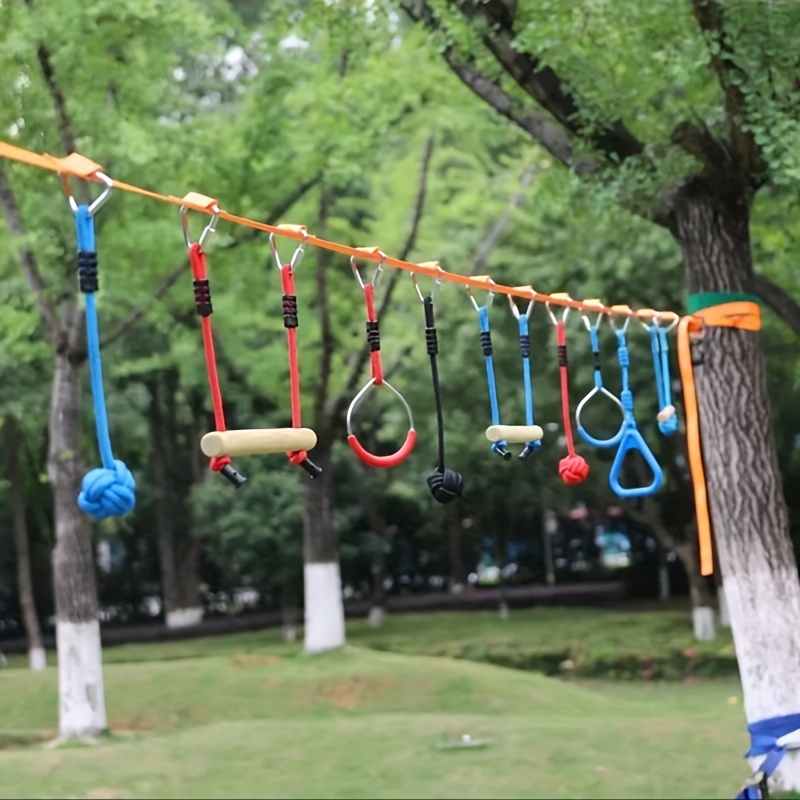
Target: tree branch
550 135
538 81
710 18
30 269
327 337
245 235
541 82
502 222
782 304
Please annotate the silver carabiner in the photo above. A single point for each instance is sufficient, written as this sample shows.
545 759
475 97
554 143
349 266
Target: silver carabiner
210 228
297 256
99 201
375 277
437 281
489 299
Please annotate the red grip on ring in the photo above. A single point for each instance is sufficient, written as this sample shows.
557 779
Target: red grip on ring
384 461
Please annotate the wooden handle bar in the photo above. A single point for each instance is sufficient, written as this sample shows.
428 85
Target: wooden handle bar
514 434
257 441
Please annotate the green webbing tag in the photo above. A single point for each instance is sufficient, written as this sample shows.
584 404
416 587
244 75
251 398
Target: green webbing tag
697 302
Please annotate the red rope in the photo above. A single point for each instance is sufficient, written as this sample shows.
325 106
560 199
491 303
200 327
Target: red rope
375 355
288 287
197 260
572 468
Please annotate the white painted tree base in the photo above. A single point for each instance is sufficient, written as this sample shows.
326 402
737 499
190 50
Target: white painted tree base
503 611
787 777
289 633
724 616
324 608
82 711
184 617
703 623
37 658
377 616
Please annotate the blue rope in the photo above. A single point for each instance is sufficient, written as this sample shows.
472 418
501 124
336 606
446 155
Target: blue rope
525 347
110 490
598 388
659 344
668 426
764 736
631 438
501 447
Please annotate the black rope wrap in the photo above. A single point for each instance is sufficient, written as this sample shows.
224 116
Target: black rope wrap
373 336
202 297
562 355
445 484
525 345
290 311
486 342
87 272
432 341
596 361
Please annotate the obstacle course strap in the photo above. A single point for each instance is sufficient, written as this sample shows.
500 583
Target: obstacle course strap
501 447
110 490
631 439
202 296
446 485
573 467
525 349
290 321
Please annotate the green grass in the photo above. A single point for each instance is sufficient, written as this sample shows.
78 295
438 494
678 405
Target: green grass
248 716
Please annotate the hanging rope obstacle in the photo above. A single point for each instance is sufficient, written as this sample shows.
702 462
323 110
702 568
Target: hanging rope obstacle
290 322
659 344
598 388
499 435
202 301
446 485
631 438
532 444
573 467
377 379
110 490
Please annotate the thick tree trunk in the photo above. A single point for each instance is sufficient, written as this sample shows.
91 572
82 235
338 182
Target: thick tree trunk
324 609
82 709
458 575
27 600
702 607
178 549
744 486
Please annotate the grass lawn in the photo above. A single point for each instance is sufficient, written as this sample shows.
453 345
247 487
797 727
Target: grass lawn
248 716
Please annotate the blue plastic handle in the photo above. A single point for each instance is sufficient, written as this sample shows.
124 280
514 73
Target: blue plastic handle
601 443
633 440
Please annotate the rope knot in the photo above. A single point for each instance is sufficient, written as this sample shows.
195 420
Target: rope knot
297 457
626 398
108 492
445 486
218 463
667 420
573 469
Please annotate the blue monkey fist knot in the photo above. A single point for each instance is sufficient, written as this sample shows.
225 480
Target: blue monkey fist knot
108 492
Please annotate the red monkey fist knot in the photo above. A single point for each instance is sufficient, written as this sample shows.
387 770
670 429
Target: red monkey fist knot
573 469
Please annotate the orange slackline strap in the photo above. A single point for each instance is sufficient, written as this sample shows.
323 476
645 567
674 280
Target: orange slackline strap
744 315
79 166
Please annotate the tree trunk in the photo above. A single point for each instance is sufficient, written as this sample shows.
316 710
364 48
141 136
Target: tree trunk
82 709
27 600
744 485
458 575
178 549
324 609
702 607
